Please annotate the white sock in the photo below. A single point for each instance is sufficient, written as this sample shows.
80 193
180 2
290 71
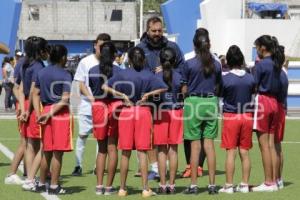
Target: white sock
154 167
80 146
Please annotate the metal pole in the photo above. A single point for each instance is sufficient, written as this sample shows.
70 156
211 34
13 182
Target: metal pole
141 17
243 8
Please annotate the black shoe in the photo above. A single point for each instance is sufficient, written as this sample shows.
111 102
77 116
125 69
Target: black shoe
190 190
171 190
212 190
39 188
162 191
77 171
57 191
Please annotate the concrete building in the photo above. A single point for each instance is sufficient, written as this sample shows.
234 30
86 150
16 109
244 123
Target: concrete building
76 23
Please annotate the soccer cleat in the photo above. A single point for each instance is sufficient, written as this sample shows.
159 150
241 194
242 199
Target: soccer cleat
148 193
153 175
99 190
162 190
212 190
39 188
77 171
227 189
171 190
109 191
243 188
187 172
265 188
191 190
28 185
280 184
122 193
13 179
56 191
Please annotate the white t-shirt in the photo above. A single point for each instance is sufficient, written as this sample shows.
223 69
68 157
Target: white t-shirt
9 72
82 75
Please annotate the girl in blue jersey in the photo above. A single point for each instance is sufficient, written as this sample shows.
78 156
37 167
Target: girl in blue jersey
105 125
202 78
267 79
168 123
237 90
52 90
135 85
36 49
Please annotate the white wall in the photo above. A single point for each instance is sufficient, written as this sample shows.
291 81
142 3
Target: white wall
223 21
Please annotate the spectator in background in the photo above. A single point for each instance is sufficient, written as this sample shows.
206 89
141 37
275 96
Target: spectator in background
8 71
119 60
225 67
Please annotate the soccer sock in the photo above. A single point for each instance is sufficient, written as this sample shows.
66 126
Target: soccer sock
154 167
53 186
192 186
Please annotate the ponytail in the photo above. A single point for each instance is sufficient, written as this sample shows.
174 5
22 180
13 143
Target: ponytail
136 57
168 60
271 44
107 57
56 53
202 49
278 54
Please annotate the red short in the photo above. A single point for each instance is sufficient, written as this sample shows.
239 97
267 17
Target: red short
135 128
281 123
237 131
57 133
105 115
168 127
30 129
266 114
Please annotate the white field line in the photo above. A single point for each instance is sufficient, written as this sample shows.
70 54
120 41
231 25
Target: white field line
10 155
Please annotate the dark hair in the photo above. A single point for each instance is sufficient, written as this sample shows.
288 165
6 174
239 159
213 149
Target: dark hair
57 52
103 37
136 57
153 19
235 57
107 57
5 60
202 49
34 47
271 44
167 58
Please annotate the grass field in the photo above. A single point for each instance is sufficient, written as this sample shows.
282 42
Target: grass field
83 187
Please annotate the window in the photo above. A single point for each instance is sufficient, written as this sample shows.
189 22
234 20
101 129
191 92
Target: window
34 12
116 15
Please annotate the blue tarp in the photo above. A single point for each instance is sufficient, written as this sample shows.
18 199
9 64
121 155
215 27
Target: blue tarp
258 7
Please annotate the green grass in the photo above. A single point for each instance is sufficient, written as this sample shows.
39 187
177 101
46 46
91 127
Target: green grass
83 187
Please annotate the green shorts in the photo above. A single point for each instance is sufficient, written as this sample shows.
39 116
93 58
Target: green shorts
200 118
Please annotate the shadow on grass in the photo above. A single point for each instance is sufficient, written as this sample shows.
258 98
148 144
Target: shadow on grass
286 184
4 164
74 189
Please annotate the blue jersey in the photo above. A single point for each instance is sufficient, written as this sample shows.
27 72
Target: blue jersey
284 82
97 79
267 79
52 82
17 74
172 99
238 87
197 83
30 75
135 84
